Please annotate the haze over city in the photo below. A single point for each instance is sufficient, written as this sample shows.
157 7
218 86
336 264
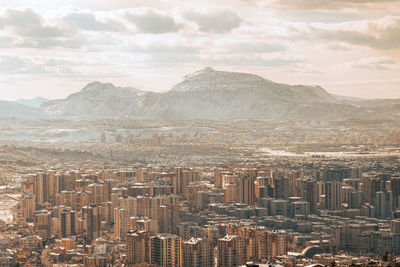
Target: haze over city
350 48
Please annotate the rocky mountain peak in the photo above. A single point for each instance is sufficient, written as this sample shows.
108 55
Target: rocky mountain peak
96 85
210 79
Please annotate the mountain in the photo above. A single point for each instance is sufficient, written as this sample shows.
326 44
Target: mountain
35 102
97 100
218 94
10 109
207 94
210 80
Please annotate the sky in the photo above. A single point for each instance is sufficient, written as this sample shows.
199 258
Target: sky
349 47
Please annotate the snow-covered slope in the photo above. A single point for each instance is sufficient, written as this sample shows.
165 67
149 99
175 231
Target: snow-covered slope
205 94
97 100
217 94
209 79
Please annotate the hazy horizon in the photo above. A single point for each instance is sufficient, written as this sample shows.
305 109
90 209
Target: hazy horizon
76 90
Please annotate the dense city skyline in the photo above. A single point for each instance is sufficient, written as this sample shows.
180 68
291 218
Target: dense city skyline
212 133
53 51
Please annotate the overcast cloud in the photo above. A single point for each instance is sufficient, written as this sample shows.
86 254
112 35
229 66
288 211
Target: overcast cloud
52 51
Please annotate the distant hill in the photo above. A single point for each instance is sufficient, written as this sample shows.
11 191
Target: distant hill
10 109
35 102
97 100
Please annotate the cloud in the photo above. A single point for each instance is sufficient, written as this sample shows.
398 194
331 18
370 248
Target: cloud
28 23
162 53
176 49
16 65
332 4
254 46
214 21
378 34
373 63
11 64
45 43
89 22
266 60
12 41
150 21
338 47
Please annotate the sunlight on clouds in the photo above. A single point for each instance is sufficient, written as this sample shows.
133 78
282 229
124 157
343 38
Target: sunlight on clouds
163 40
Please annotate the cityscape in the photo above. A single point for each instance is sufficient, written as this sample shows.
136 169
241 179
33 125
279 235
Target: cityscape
255 208
200 134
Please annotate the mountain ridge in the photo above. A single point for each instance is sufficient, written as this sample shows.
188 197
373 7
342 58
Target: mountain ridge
212 94
204 94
